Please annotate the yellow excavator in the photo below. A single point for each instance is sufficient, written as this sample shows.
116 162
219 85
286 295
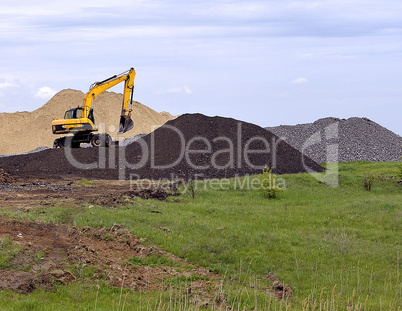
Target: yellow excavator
80 121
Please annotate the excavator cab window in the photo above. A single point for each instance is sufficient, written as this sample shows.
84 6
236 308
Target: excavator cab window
73 113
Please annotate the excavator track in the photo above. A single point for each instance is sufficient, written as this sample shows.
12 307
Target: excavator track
95 139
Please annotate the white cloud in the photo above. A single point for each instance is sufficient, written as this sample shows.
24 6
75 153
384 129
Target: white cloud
300 80
187 90
307 56
6 85
45 92
175 90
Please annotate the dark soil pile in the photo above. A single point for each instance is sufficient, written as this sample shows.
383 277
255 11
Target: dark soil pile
191 146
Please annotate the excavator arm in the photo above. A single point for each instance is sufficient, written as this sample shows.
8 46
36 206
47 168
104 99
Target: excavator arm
97 88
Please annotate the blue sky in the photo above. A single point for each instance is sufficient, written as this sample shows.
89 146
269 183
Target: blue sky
265 62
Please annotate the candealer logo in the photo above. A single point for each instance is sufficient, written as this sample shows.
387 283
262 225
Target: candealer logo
217 153
327 138
198 182
235 150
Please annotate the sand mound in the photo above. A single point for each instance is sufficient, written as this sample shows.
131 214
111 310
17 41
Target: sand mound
356 139
25 131
191 145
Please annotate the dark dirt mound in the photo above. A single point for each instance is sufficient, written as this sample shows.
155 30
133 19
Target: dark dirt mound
191 146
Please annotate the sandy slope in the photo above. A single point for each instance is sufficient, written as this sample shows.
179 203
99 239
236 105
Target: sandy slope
25 131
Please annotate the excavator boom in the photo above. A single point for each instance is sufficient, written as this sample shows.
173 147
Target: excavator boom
126 123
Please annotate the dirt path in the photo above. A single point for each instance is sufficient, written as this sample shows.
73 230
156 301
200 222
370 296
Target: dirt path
25 193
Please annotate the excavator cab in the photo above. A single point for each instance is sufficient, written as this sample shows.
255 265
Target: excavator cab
74 113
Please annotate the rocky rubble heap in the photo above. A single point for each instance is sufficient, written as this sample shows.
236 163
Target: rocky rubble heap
343 140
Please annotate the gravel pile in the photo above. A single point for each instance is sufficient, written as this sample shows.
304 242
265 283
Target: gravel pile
130 140
342 140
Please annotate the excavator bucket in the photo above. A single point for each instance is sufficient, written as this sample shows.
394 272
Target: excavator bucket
126 124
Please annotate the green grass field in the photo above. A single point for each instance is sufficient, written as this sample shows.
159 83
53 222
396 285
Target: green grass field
337 248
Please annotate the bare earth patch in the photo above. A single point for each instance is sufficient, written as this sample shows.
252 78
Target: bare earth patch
56 253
